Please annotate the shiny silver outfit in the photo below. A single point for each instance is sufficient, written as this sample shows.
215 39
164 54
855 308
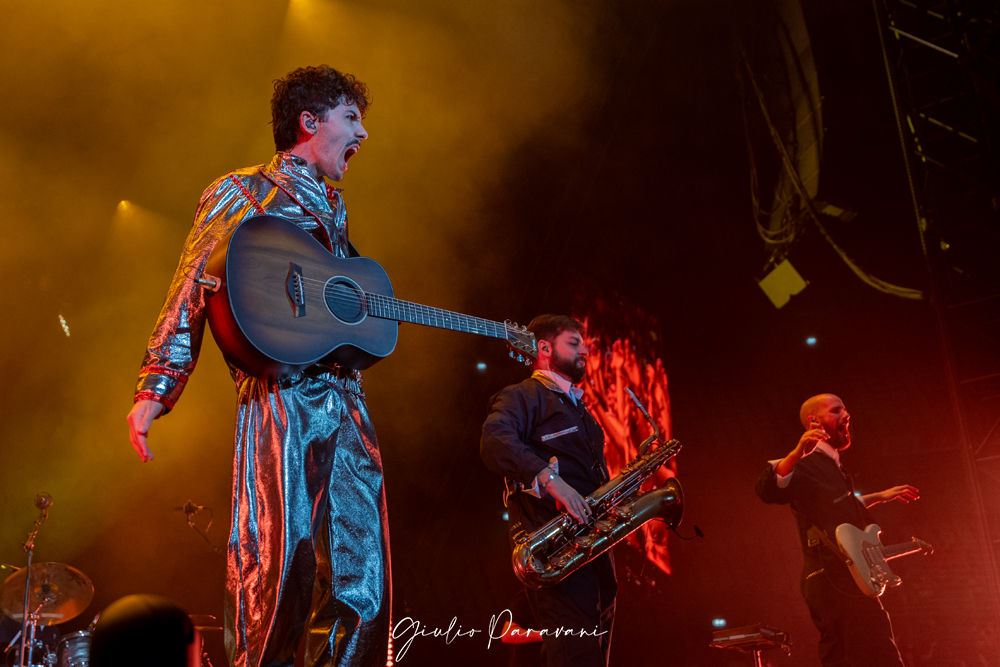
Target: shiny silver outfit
309 544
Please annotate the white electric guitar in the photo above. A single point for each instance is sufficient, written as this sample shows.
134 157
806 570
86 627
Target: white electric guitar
866 557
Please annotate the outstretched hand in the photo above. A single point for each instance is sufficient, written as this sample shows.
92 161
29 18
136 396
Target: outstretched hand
904 493
139 419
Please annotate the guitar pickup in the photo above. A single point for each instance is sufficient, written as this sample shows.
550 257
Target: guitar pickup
295 291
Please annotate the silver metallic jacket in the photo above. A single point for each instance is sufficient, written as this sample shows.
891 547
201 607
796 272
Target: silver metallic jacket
285 188
308 549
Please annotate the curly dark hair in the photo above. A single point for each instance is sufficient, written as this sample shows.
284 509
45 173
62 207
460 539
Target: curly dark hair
313 89
548 327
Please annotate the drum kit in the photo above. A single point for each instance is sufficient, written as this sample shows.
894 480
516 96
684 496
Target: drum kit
58 593
53 593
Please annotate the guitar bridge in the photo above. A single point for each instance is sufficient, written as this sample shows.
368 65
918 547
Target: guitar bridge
294 290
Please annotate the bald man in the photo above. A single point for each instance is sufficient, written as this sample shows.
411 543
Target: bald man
854 629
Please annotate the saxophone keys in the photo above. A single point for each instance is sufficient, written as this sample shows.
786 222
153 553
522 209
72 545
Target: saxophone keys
605 526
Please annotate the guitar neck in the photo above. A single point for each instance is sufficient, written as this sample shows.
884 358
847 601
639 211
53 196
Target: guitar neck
389 308
903 549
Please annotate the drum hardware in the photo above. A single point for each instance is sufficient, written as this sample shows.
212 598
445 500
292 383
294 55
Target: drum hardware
12 652
57 593
202 623
42 501
190 508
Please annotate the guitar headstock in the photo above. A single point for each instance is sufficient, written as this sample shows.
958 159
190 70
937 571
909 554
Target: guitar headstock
924 546
523 346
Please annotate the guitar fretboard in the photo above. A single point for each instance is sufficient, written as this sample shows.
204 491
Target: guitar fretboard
389 308
902 549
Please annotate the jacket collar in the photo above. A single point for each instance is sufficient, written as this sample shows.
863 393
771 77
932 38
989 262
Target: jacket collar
558 383
291 172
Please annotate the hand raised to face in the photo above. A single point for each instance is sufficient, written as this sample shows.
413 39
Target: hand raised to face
812 437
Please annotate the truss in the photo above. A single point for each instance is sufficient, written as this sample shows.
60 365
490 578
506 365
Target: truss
942 60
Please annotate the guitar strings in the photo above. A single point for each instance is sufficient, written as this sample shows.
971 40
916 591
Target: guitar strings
345 295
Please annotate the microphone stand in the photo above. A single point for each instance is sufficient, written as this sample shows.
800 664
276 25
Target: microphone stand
29 546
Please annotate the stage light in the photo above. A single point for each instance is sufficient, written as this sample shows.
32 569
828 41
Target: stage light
782 283
481 366
506 516
857 494
811 340
124 205
718 622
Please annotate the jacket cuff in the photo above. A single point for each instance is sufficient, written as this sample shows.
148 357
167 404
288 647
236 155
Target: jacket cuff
160 384
782 482
530 471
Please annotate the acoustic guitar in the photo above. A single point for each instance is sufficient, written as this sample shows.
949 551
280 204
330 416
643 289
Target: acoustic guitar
279 302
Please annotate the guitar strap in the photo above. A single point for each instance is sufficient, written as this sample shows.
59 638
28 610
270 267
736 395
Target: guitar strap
246 193
351 250
815 537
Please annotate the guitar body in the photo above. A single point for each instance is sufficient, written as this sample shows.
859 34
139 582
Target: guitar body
285 303
867 556
870 570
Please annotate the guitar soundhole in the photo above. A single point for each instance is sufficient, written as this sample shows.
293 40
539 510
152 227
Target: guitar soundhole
345 299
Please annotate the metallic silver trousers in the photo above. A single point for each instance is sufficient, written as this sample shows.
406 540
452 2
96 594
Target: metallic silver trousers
309 545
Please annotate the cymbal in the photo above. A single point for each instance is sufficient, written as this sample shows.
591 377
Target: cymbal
62 591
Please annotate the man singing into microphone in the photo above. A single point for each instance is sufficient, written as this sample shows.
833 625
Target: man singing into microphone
854 629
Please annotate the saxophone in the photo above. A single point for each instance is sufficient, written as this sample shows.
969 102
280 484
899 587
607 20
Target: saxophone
562 546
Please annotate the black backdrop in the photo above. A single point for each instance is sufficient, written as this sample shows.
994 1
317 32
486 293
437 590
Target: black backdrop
649 198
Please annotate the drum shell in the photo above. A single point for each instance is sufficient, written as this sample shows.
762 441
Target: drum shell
74 650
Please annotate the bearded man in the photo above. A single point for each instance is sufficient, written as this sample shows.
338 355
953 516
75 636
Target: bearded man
854 629
540 436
